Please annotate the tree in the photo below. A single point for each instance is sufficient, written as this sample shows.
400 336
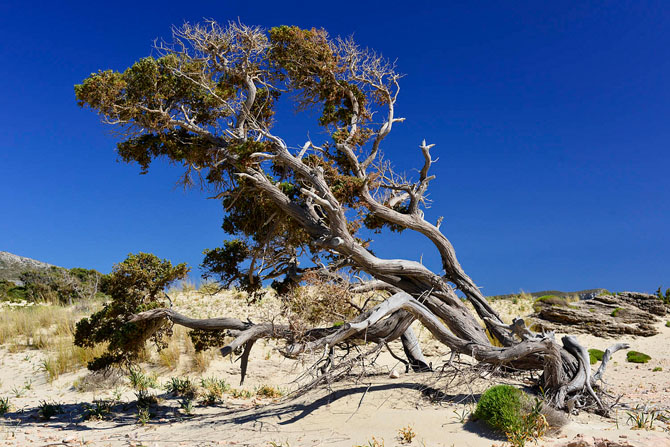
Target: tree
208 102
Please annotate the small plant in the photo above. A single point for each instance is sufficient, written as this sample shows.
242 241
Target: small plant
18 392
667 324
187 406
616 311
595 355
278 444
462 415
374 442
214 388
641 418
101 410
269 392
4 405
637 357
657 369
140 381
531 427
241 394
181 387
143 415
47 410
145 399
116 394
406 435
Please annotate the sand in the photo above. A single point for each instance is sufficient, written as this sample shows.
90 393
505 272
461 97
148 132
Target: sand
357 411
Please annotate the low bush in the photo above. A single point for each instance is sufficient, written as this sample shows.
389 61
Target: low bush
616 311
595 355
513 412
637 357
500 407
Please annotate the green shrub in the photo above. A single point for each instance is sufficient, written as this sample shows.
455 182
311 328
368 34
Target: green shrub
667 324
637 357
616 311
595 355
500 407
657 369
135 285
59 285
511 411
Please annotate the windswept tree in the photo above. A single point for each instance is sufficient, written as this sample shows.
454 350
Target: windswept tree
207 101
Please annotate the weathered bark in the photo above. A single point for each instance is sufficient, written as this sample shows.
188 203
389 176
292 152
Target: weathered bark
567 375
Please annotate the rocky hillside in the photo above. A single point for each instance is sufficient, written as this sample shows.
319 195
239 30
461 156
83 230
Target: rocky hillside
11 266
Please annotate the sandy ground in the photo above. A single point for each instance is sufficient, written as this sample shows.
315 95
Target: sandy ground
356 411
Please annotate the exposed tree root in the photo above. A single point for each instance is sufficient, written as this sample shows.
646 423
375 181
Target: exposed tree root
567 376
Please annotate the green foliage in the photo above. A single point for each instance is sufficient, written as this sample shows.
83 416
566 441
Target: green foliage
181 387
269 392
4 405
643 419
595 355
140 381
616 311
186 405
100 410
511 411
165 114
637 357
52 285
47 410
11 292
143 415
500 407
204 339
214 389
667 324
665 298
135 285
657 369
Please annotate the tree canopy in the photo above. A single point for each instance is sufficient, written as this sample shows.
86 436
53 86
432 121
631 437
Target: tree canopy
208 101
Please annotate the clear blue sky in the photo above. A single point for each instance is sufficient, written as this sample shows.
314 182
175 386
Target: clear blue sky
551 120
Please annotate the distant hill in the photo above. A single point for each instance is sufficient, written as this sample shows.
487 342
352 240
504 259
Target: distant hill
11 266
587 293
